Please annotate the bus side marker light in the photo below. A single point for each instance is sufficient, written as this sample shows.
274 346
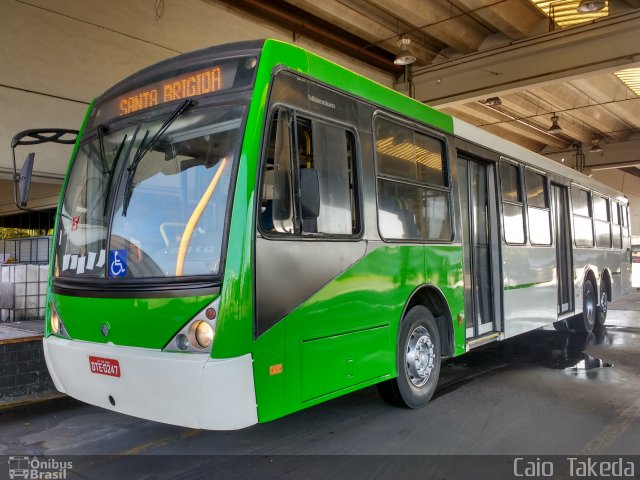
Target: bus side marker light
275 369
460 319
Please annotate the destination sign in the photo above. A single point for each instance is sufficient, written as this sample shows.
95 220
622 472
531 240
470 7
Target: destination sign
193 84
216 78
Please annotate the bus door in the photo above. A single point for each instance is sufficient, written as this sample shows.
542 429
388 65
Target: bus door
564 261
481 244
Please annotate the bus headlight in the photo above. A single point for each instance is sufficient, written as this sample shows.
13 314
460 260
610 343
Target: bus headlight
204 334
55 321
57 327
198 334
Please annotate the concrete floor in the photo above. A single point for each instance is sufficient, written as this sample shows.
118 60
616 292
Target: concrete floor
542 393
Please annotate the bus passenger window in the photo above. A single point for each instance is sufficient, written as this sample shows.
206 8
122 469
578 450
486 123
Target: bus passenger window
413 185
512 203
616 227
538 208
624 209
582 222
313 192
601 224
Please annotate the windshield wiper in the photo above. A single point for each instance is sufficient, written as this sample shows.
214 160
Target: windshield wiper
111 174
103 156
144 147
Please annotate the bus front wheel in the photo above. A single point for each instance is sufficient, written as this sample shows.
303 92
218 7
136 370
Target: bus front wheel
418 361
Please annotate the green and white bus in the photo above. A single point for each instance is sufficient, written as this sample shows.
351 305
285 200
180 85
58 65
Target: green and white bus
248 230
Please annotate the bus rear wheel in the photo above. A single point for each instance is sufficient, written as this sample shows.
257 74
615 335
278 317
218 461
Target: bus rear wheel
586 321
417 360
601 314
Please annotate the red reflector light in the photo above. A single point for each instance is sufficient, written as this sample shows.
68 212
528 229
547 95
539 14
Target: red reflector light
210 313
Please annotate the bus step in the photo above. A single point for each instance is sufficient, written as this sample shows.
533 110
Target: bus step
476 342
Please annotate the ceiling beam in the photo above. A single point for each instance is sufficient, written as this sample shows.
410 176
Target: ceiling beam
506 122
361 25
613 155
296 20
438 19
575 106
514 18
607 43
522 107
605 87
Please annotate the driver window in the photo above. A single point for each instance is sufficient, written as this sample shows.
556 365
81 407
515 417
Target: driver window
308 179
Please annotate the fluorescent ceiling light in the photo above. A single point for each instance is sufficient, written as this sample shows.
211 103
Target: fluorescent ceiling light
631 78
566 13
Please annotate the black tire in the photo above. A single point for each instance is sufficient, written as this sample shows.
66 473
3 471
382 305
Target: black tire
586 322
603 306
417 360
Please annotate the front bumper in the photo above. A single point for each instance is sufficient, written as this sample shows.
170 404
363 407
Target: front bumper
189 390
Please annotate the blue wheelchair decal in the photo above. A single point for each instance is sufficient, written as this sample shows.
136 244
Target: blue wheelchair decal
117 263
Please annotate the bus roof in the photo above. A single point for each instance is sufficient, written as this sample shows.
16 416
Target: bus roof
373 92
276 52
516 152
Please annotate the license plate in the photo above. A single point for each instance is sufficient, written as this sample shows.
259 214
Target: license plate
104 366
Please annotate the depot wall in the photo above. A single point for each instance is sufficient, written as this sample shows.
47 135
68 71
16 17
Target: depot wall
57 56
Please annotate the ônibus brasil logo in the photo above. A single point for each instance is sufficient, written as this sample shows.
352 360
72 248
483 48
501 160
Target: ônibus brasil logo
35 468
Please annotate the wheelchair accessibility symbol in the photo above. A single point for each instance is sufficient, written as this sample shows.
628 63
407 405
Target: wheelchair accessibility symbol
117 263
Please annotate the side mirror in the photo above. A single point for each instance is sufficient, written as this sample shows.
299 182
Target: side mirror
23 180
309 193
37 136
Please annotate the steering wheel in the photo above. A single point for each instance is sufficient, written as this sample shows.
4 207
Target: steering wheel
163 230
181 225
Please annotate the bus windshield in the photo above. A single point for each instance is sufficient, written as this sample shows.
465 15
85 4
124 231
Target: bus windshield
130 211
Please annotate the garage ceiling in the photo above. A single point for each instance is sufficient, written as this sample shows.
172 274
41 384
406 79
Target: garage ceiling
537 58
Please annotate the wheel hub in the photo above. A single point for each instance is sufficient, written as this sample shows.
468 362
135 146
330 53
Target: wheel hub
590 307
420 356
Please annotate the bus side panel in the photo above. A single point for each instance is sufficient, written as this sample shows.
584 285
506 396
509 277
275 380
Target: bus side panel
344 336
530 288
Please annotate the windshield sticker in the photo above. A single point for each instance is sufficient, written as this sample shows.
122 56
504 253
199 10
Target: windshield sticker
117 263
101 259
81 263
91 259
